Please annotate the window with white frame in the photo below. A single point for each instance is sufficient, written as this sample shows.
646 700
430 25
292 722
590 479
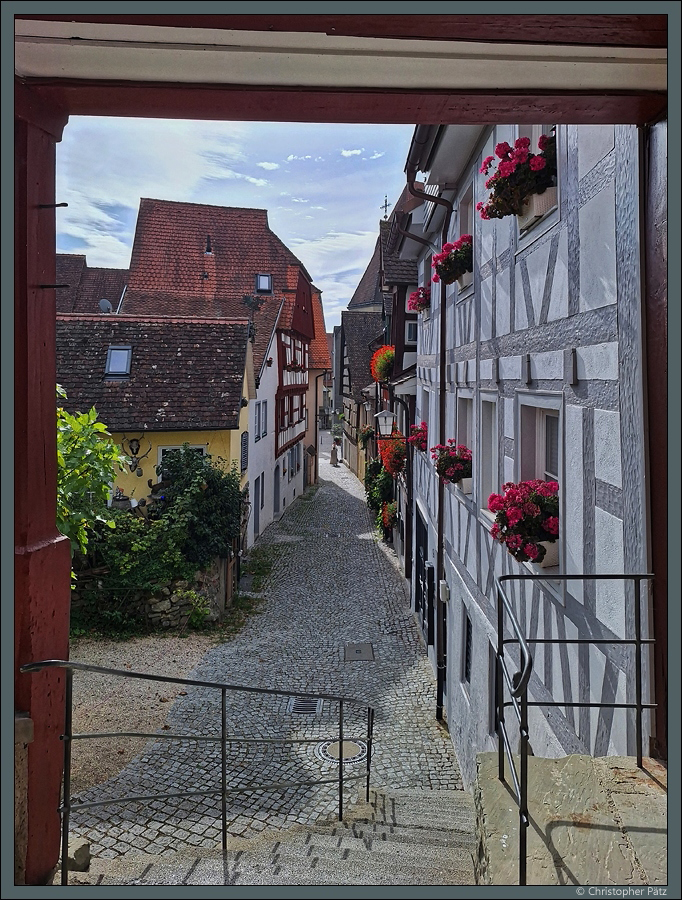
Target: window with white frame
424 405
411 332
257 420
264 418
465 419
488 449
540 438
548 201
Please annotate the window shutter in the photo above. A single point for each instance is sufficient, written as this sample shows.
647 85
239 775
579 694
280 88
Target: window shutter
245 451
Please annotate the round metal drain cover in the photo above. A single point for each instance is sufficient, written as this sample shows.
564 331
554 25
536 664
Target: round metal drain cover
354 752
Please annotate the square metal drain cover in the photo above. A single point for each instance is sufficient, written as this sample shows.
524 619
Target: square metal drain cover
307 706
359 651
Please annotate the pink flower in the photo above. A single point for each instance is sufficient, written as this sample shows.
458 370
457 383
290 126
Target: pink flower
514 541
520 156
479 205
531 551
522 142
495 503
484 214
537 163
502 150
514 515
531 509
507 167
435 279
466 239
551 524
486 165
544 140
495 532
448 248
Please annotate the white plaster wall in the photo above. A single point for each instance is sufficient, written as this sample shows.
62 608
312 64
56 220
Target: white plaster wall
486 317
571 494
594 143
502 302
548 365
607 455
597 362
262 452
558 304
609 560
536 264
486 369
510 369
597 223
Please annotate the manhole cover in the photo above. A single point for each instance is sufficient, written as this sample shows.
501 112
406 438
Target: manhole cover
359 651
354 752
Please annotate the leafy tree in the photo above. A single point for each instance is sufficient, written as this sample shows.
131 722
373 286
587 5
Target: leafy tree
205 497
87 458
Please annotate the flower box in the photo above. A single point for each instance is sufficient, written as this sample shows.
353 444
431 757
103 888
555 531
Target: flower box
551 557
465 281
536 206
455 260
465 485
453 462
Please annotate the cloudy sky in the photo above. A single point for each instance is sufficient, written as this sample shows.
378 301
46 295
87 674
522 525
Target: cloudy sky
323 186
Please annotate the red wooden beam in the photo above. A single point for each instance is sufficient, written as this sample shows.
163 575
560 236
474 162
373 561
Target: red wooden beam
276 104
590 30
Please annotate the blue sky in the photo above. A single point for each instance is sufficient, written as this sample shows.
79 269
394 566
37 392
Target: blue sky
323 186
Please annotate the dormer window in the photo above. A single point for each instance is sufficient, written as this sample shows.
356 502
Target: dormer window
209 249
118 362
263 284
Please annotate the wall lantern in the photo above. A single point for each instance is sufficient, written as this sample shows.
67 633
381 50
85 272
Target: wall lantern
385 422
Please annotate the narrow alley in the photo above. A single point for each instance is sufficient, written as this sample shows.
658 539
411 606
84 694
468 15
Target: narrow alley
333 584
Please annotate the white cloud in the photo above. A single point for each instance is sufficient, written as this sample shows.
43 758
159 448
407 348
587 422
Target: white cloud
268 165
318 207
377 155
293 156
299 200
352 152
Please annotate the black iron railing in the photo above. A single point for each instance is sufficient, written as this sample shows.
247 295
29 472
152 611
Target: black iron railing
67 806
516 684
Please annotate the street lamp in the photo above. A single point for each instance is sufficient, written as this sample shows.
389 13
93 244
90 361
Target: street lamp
385 422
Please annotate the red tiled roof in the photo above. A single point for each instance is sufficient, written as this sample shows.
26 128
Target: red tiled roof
171 272
87 285
320 355
185 374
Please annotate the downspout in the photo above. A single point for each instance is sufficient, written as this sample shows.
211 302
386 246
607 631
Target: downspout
440 565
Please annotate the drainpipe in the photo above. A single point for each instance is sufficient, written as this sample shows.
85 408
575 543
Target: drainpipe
411 169
317 424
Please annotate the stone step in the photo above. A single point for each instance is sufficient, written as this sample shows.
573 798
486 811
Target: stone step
243 868
379 831
457 811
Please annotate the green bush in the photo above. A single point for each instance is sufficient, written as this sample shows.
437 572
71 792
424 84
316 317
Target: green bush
378 484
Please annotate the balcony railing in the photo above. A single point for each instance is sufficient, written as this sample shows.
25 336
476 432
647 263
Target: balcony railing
224 739
516 685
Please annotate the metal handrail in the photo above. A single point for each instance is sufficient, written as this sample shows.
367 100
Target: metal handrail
517 685
68 737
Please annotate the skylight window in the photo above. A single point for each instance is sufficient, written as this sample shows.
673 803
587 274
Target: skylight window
263 284
118 362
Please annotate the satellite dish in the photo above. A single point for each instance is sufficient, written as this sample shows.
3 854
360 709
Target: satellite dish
105 306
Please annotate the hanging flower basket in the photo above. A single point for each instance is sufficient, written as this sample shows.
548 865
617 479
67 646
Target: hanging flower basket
527 520
381 364
454 260
419 436
419 300
520 174
365 435
388 515
393 452
453 461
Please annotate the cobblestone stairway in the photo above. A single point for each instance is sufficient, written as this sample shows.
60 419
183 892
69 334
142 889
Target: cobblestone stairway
416 837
